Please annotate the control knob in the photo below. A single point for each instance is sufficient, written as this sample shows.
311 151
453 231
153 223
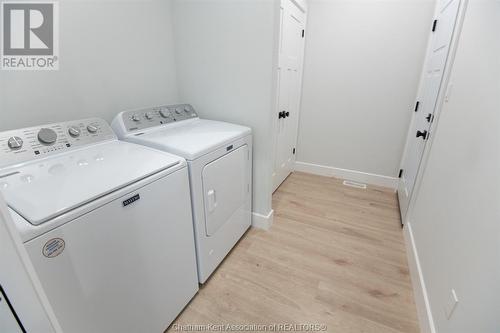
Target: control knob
177 111
92 128
135 117
74 131
187 109
165 113
148 115
15 142
47 136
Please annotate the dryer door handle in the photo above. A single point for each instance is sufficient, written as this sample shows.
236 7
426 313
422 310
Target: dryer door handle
212 200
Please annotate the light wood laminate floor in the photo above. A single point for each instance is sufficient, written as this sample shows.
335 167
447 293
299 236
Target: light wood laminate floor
335 255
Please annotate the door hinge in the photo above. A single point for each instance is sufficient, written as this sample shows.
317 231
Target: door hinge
430 118
434 24
303 33
417 105
400 173
293 151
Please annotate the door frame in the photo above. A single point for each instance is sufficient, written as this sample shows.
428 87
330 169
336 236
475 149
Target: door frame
279 5
444 92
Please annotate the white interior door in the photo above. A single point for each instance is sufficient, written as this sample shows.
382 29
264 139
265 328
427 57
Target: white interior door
425 109
291 50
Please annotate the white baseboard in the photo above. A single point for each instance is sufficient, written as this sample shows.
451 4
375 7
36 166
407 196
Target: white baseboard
264 222
419 290
357 176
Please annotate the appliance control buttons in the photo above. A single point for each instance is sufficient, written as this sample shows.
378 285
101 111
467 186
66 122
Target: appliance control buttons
165 113
187 109
82 162
92 128
15 142
148 115
27 178
74 131
135 117
177 111
47 136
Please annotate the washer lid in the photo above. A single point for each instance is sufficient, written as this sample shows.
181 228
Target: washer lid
42 190
192 138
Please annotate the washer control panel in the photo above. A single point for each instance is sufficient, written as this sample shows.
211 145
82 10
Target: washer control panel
27 144
156 116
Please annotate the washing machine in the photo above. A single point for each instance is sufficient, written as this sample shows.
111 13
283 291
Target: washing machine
219 157
107 225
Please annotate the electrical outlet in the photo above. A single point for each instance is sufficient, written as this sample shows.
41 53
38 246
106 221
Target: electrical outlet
451 304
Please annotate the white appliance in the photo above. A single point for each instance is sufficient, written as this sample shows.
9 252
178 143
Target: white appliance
9 321
219 157
107 225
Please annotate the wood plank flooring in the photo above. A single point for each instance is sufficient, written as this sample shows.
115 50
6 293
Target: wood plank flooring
335 256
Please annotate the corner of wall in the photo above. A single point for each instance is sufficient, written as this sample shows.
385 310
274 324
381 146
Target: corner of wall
263 222
354 175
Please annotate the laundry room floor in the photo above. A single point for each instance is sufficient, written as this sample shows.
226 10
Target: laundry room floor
334 256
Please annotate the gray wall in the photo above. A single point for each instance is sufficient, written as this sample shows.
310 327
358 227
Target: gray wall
114 55
118 55
224 52
363 61
456 219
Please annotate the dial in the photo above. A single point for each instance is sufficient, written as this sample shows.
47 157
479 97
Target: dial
15 142
92 128
148 115
178 111
136 117
47 136
165 113
74 131
187 109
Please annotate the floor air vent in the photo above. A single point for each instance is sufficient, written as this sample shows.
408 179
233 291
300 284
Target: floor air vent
354 184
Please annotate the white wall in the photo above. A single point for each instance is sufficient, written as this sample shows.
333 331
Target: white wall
225 57
456 218
363 62
114 55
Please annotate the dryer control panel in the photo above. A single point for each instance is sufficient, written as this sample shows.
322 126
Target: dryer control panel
156 116
27 144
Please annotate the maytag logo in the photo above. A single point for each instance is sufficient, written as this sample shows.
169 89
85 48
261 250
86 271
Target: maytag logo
131 200
30 35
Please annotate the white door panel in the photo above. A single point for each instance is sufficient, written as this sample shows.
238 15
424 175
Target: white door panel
289 87
435 64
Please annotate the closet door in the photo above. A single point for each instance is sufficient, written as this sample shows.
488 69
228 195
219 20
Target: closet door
291 49
425 110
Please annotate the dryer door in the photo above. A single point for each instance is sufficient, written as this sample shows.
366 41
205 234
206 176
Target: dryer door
225 186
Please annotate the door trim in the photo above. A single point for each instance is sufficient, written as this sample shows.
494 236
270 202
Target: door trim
441 99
